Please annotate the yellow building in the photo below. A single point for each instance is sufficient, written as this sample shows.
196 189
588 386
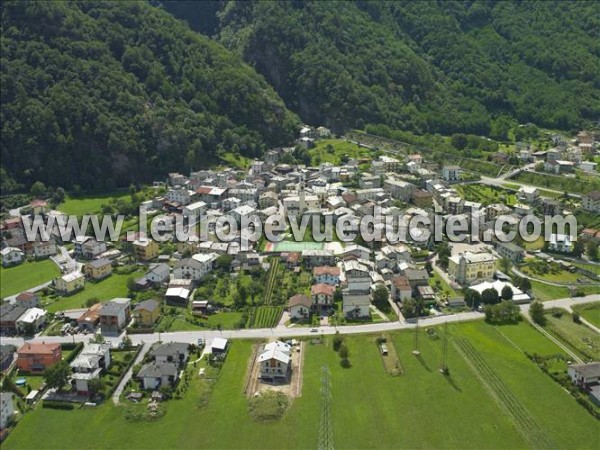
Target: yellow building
468 267
98 269
147 312
69 283
145 250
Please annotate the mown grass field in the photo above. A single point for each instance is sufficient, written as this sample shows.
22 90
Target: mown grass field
590 312
78 206
107 289
25 276
339 147
369 408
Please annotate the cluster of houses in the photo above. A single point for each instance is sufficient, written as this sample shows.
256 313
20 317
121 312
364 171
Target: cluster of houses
23 316
567 156
401 187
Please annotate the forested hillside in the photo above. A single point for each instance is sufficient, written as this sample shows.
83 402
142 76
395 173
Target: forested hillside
440 66
101 94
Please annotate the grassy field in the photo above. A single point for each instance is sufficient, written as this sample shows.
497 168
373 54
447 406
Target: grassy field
555 276
538 244
559 183
444 287
27 275
579 337
78 206
369 408
339 147
590 312
265 317
107 289
544 292
227 321
486 194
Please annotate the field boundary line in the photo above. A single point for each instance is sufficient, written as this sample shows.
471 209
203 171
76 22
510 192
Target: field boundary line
520 416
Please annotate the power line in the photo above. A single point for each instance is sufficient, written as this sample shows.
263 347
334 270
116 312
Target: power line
326 424
444 370
416 351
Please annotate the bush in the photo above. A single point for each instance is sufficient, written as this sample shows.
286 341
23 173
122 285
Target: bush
345 363
344 352
268 406
337 342
54 404
576 317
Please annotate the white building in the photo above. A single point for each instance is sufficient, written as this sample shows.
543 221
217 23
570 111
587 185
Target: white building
31 320
275 362
11 256
591 201
518 295
7 410
195 210
560 243
451 173
357 276
44 249
355 305
196 267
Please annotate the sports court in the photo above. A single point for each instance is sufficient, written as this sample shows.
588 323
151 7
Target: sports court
292 246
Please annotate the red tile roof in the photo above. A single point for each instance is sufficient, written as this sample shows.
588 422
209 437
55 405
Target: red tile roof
35 348
322 288
326 270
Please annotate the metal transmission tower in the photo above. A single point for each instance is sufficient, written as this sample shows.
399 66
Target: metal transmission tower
416 351
444 370
326 424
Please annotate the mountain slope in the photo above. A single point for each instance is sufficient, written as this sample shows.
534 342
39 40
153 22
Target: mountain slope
439 66
101 94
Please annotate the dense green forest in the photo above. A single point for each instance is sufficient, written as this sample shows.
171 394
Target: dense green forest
437 66
102 94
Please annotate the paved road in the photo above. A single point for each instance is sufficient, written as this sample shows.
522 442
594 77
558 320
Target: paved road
119 390
284 332
500 182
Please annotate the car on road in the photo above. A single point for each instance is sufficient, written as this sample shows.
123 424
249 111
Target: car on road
314 330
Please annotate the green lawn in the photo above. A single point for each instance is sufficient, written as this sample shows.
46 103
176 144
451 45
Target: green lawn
369 408
445 287
322 153
538 244
556 276
107 289
593 268
227 320
578 336
78 206
590 312
25 276
486 194
543 292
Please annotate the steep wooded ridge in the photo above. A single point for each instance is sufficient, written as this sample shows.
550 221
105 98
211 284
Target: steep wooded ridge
445 66
101 94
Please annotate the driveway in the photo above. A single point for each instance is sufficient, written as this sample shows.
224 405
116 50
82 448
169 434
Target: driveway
119 390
